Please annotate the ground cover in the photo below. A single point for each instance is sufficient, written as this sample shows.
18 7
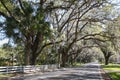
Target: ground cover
7 76
113 70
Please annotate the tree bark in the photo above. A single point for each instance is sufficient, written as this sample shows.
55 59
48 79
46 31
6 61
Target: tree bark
64 59
33 59
106 61
27 51
27 55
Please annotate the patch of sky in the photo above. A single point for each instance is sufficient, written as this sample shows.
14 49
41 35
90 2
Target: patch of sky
115 1
4 41
2 19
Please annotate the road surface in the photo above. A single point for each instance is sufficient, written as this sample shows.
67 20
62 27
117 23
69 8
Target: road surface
90 71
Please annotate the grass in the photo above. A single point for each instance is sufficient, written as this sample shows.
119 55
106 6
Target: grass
115 75
111 67
7 76
113 70
77 64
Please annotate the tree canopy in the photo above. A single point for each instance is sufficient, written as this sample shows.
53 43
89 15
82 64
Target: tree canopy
62 27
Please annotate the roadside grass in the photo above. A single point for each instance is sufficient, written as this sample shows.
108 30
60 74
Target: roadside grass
113 70
77 64
114 75
7 76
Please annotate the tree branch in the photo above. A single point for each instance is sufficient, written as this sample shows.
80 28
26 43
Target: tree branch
47 44
88 36
78 51
8 11
3 14
6 8
21 5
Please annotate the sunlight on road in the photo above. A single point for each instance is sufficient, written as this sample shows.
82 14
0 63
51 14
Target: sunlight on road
90 71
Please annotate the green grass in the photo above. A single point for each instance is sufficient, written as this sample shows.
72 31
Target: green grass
112 71
114 75
77 64
5 76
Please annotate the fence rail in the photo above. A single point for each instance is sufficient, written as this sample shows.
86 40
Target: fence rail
27 69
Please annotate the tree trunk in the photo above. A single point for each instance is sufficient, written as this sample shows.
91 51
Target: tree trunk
64 59
27 56
27 52
33 59
35 47
59 57
106 60
107 57
71 61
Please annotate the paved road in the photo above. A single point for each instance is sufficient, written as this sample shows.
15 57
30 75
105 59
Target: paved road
90 71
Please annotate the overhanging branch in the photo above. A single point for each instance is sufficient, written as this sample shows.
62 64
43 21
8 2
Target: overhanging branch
47 44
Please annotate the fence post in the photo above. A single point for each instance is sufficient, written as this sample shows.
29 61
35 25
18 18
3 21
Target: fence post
7 69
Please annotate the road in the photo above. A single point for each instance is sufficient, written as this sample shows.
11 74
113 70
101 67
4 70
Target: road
90 71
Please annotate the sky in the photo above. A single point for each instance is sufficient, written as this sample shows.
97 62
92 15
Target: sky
3 42
115 1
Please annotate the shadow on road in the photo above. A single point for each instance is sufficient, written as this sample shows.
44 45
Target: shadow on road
86 72
75 77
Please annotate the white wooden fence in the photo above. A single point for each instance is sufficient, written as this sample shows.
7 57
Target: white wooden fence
28 69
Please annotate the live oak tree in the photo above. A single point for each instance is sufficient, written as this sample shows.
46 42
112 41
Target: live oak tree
72 22
107 51
109 35
4 58
106 43
25 23
107 54
69 24
9 53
